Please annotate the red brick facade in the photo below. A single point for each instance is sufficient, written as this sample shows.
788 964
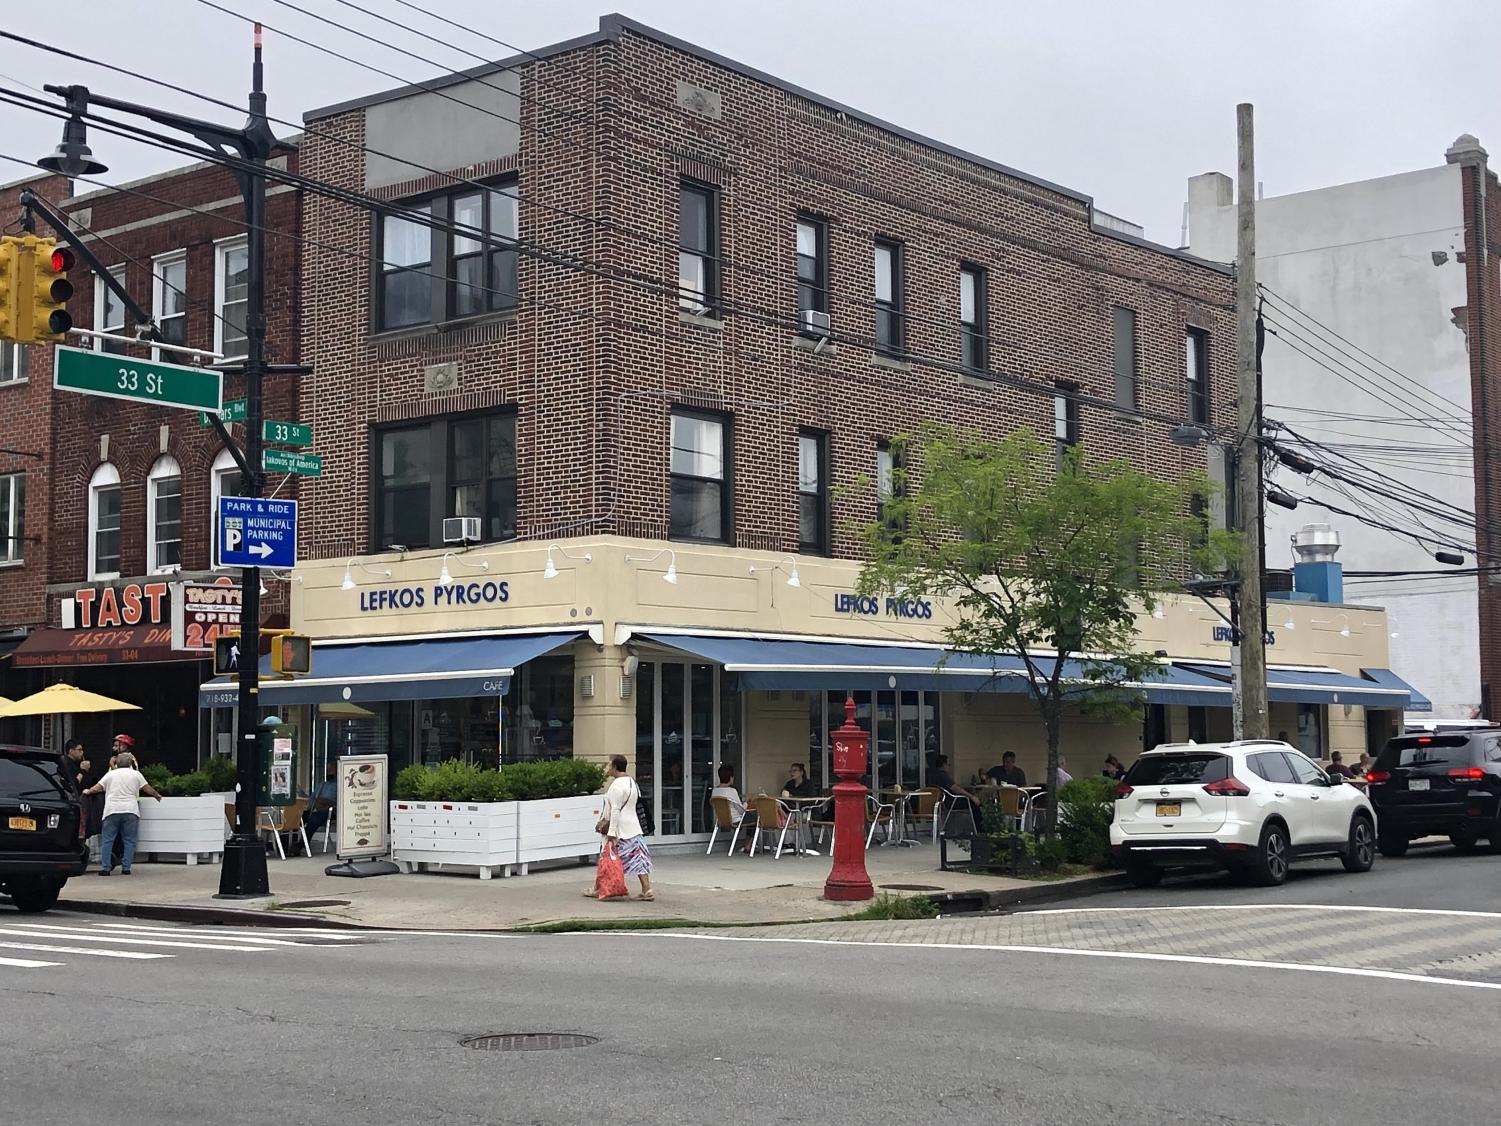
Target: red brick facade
593 364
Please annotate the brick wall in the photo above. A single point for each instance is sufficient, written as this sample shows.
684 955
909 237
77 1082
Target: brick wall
594 365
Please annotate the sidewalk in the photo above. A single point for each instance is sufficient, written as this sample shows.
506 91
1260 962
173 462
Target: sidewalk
689 886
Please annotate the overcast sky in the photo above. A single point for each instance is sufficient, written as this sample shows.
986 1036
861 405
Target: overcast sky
1121 99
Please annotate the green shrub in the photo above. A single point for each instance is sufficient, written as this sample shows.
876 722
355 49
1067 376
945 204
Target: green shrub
886 906
456 780
558 778
1051 853
1086 807
410 783
156 775
185 785
220 770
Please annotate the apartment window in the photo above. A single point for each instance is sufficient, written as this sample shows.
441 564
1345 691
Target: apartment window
888 268
1196 372
104 522
700 478
12 362
463 466
231 292
109 311
223 482
1065 419
428 274
164 515
1125 357
888 478
813 492
12 517
812 266
975 351
169 298
698 239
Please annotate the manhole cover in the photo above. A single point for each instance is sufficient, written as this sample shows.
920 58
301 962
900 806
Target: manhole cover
528 1041
910 887
317 903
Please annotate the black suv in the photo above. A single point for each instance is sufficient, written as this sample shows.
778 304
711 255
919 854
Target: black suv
1444 784
41 827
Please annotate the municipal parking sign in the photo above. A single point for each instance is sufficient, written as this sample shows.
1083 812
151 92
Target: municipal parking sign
257 532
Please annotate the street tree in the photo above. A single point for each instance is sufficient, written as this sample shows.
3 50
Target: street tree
1043 554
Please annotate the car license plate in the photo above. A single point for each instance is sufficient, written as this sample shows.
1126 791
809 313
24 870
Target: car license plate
26 824
1417 783
1169 808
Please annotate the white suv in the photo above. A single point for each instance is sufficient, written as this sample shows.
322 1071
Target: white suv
1248 806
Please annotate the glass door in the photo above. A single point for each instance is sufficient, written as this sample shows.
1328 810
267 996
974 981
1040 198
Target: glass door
687 723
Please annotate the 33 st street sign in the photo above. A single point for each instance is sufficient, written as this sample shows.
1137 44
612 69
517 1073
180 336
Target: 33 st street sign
145 381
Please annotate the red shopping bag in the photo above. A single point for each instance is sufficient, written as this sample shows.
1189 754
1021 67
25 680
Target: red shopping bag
609 876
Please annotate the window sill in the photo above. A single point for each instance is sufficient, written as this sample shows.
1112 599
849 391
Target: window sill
701 320
442 328
882 360
11 564
812 344
14 382
104 577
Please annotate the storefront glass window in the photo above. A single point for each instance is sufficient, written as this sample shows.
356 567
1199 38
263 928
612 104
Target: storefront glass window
539 710
1311 730
646 742
688 723
467 728
671 750
904 742
817 742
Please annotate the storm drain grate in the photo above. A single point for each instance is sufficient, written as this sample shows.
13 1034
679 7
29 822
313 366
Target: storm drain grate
910 887
528 1041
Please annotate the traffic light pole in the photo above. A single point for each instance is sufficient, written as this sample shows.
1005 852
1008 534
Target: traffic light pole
243 874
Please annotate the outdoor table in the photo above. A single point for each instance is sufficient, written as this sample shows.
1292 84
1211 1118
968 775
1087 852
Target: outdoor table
900 799
799 808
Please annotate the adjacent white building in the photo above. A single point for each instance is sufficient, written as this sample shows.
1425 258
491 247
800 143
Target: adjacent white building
1364 299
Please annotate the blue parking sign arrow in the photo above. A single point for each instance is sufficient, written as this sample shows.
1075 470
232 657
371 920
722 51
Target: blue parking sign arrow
257 532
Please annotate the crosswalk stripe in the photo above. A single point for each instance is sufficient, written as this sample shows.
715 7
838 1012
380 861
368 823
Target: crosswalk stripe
234 932
47 948
26 963
111 937
163 932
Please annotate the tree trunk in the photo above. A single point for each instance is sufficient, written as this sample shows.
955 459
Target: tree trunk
1052 720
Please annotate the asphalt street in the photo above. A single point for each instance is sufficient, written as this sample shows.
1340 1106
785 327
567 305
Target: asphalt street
1083 1013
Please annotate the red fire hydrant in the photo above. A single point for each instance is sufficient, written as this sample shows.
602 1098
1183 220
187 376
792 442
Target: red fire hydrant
848 879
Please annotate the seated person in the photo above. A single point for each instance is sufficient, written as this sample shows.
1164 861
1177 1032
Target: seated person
939 776
1113 768
1337 767
726 789
325 799
1008 773
798 784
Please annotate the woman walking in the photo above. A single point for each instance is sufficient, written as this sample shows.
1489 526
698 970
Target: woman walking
625 827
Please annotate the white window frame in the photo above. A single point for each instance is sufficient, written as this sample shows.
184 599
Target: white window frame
165 468
13 533
101 296
222 251
17 353
159 292
224 464
106 476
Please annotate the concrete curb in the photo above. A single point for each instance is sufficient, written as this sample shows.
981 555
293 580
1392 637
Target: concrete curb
984 900
221 916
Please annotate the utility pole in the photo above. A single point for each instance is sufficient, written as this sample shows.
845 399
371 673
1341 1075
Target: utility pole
1248 656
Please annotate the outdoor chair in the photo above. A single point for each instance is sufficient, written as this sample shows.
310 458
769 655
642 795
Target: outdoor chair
724 821
1014 802
879 813
824 823
279 819
922 809
956 817
328 823
772 816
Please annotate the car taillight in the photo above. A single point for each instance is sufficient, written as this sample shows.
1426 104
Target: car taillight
1468 773
1122 791
1378 776
1228 788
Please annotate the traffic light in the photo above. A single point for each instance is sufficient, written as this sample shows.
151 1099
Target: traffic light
227 654
9 272
49 321
291 654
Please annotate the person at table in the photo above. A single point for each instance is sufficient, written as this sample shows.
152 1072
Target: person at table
939 776
726 789
1337 767
1063 775
325 798
1113 768
798 784
1008 773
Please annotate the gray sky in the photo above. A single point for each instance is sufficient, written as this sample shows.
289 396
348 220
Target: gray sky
1122 100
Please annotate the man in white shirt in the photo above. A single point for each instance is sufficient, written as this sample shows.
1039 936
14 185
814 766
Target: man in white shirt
726 789
122 787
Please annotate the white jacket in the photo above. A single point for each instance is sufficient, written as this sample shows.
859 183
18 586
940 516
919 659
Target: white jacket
620 801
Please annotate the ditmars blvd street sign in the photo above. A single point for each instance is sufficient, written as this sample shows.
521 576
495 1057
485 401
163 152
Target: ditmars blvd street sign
145 381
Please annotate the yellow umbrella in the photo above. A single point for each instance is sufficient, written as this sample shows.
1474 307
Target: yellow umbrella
4 703
63 699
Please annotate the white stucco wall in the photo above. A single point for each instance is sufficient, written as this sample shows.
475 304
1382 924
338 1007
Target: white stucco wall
1360 259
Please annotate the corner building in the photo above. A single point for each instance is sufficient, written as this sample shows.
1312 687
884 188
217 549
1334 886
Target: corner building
667 409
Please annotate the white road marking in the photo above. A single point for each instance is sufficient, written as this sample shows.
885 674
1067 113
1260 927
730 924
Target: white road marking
111 937
49 948
313 932
187 932
224 932
1131 955
1269 907
26 963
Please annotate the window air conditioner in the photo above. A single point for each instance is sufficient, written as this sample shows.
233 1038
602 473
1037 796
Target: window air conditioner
461 529
816 323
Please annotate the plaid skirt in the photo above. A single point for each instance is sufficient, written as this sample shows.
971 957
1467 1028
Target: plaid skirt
635 857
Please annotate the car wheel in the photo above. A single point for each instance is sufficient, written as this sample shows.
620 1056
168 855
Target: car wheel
1143 875
1464 840
1360 849
1493 842
1269 868
35 897
1391 845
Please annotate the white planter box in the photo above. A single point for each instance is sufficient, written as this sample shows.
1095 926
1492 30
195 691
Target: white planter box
558 829
463 834
186 827
493 835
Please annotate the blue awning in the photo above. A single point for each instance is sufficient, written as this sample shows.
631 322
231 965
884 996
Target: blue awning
780 665
1316 686
374 671
1416 701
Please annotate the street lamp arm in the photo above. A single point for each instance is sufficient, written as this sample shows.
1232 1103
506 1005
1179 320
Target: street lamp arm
250 143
